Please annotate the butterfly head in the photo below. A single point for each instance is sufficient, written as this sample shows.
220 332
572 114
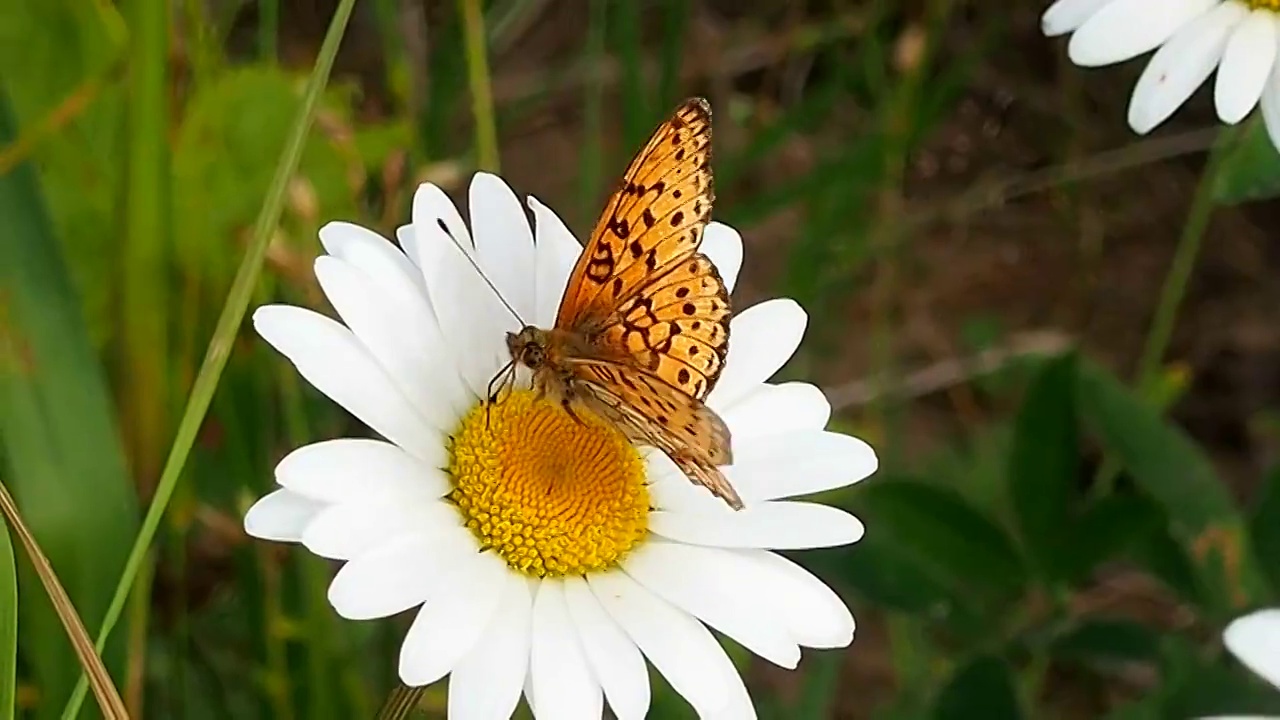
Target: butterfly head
529 346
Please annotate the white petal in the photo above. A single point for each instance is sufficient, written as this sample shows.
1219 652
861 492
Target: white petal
472 317
1066 15
709 584
776 525
557 250
761 340
486 683
739 705
770 409
351 469
409 243
281 515
678 645
397 575
814 614
1246 64
345 531
504 243
1125 29
329 357
562 680
401 335
1271 106
1255 640
723 245
615 660
375 256
1180 66
449 625
798 463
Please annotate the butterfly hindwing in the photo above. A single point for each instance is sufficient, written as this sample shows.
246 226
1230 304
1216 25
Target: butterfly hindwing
649 411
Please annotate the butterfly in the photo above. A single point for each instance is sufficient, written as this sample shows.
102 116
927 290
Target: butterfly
643 327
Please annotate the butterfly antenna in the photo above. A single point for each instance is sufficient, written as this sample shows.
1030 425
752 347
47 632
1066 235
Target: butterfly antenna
490 394
480 272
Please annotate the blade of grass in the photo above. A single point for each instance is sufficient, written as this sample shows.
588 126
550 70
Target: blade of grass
592 150
8 627
144 291
481 88
233 311
65 462
103 689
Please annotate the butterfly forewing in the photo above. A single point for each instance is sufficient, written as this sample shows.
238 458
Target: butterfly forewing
652 222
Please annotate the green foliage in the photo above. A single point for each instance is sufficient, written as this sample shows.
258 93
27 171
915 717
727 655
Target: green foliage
62 451
983 688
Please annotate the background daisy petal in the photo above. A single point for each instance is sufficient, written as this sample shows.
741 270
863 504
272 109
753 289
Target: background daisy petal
704 582
282 515
556 251
723 245
762 338
813 613
1247 62
487 682
472 318
1180 66
1066 15
328 356
504 242
375 256
402 336
678 645
1255 640
342 532
798 463
450 624
562 680
770 409
1125 29
774 525
615 659
351 469
395 576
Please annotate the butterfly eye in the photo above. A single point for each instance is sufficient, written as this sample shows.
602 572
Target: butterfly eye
533 356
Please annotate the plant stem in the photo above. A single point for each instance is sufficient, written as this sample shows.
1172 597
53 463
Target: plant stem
481 90
233 311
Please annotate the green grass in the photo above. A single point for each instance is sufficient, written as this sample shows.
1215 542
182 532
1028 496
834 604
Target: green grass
154 191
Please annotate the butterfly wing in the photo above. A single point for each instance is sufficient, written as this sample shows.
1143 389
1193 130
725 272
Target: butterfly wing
649 411
651 223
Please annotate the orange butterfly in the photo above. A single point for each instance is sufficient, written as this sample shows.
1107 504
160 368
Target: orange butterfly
643 327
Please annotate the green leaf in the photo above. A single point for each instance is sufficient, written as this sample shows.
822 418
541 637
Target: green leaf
1264 531
943 539
61 446
8 627
1108 642
1044 466
983 689
1108 528
1163 460
1251 168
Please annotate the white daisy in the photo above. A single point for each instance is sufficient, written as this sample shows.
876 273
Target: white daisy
1191 38
1255 640
549 558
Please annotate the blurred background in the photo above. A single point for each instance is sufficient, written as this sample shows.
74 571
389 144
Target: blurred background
1063 339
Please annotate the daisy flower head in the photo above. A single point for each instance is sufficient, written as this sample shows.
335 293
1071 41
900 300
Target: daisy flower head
545 555
1191 39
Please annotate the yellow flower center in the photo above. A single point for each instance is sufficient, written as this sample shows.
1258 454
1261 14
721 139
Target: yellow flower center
551 495
1272 5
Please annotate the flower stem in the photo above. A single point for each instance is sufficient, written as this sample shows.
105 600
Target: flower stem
481 92
1181 267
223 336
